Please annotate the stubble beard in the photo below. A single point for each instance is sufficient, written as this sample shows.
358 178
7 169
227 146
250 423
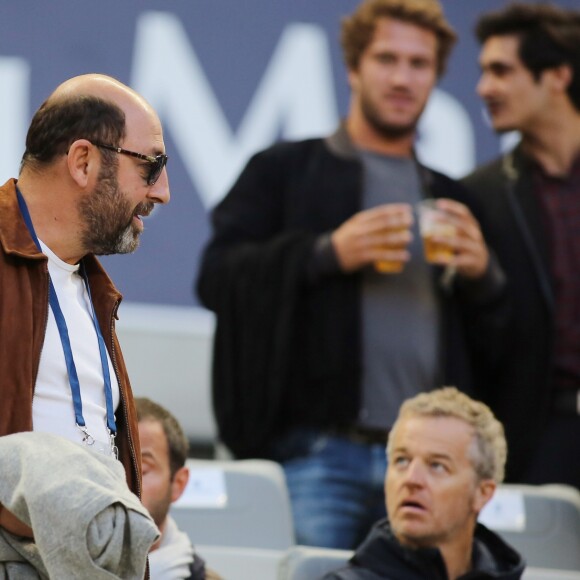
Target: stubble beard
433 538
159 508
108 217
387 130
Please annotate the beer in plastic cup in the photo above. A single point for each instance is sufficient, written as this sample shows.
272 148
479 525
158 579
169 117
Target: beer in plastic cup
390 266
434 222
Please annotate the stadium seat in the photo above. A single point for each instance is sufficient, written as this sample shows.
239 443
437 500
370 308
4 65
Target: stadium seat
242 504
241 563
550 574
167 350
541 522
308 563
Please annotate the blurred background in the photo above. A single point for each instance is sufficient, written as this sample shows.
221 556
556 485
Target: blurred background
227 78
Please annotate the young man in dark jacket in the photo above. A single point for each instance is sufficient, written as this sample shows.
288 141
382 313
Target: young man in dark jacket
446 454
530 199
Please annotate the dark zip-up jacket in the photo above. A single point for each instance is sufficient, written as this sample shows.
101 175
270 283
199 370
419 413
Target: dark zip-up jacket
520 386
381 557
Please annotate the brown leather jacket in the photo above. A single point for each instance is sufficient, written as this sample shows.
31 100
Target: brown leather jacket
23 320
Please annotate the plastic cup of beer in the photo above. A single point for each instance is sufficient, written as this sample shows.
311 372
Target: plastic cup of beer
434 222
391 266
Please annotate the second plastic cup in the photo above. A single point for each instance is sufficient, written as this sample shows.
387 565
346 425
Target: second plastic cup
435 222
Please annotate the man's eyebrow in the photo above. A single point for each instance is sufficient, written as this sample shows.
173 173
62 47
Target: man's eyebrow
429 455
440 455
496 65
400 448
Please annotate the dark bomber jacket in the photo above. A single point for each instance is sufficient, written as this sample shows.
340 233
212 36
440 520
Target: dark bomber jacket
287 350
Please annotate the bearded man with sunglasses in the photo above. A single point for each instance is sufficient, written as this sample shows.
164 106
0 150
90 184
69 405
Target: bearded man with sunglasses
94 166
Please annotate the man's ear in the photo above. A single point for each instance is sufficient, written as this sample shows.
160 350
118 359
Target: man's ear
353 80
560 77
483 493
179 483
83 161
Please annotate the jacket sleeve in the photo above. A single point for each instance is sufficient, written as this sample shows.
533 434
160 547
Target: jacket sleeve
253 273
250 219
484 303
350 572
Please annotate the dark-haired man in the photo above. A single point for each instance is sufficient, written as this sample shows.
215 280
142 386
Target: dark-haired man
94 166
316 347
164 450
530 82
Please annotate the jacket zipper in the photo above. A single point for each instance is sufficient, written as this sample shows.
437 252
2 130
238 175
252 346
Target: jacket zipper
123 402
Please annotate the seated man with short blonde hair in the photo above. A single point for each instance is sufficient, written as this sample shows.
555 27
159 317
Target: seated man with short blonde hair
446 456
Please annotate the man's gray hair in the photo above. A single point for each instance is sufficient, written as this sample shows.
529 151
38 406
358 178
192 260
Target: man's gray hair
489 451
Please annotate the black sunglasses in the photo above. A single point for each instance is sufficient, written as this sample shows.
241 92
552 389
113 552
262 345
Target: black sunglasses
156 164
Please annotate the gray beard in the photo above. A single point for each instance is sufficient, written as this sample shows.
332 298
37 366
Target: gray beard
108 217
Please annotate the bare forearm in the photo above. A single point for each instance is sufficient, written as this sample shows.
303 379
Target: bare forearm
12 524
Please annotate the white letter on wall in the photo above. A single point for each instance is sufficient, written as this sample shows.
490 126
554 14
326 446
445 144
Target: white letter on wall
14 103
446 139
295 99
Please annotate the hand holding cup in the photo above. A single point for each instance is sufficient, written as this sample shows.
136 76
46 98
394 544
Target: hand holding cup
452 236
377 236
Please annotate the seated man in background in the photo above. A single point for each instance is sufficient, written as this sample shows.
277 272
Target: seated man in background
164 450
446 455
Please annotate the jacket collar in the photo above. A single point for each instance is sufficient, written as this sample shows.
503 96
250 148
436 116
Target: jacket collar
342 146
14 236
16 240
382 553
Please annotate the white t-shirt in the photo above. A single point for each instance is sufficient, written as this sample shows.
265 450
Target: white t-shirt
52 406
172 559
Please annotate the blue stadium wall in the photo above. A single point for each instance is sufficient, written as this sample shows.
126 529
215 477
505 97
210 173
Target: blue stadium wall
227 78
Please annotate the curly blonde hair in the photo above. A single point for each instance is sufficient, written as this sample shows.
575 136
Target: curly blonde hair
358 28
489 452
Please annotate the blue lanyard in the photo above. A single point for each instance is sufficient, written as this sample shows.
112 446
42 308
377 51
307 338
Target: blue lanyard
66 346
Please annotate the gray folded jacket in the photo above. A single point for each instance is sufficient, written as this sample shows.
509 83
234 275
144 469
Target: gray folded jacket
87 523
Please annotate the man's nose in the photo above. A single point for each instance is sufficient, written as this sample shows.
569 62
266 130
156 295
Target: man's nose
401 73
159 192
415 474
484 85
